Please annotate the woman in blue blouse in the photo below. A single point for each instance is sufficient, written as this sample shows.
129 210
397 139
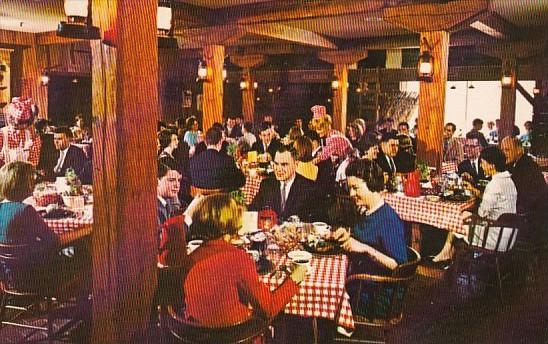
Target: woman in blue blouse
378 240
21 224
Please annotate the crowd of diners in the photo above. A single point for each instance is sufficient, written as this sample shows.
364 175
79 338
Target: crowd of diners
312 165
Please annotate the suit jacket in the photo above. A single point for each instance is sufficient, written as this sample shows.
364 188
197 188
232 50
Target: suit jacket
405 162
215 170
466 166
202 147
75 159
48 154
474 134
235 133
272 147
221 281
383 163
454 151
301 200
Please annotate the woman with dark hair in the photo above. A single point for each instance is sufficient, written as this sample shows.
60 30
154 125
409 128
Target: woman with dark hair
192 131
221 286
371 148
378 237
168 142
499 197
305 167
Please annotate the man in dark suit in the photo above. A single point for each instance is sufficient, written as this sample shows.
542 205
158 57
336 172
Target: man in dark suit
476 133
470 169
386 157
68 156
213 169
266 144
232 129
288 193
202 146
169 181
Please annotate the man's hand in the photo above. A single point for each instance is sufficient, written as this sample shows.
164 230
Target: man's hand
341 234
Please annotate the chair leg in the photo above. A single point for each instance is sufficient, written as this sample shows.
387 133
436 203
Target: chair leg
49 320
499 280
3 304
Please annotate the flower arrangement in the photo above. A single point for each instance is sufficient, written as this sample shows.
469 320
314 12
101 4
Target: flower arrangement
74 183
423 169
238 196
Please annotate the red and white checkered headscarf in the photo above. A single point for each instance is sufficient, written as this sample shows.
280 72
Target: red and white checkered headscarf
318 111
20 112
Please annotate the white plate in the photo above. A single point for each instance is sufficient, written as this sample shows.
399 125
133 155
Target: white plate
299 255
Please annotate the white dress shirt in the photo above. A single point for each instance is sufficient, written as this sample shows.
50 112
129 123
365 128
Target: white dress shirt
500 197
288 184
61 160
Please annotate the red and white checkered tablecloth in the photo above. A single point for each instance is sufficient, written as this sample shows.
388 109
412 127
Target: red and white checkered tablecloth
449 166
542 161
320 293
443 214
72 223
251 187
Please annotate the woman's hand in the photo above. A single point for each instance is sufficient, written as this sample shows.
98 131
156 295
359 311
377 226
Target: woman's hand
299 273
341 235
353 245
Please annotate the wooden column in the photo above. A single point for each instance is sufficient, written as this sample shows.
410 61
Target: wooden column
5 93
508 101
214 56
248 95
340 97
432 100
124 179
341 59
30 83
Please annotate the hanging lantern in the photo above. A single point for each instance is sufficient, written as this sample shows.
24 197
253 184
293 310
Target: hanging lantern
507 80
44 78
79 23
164 24
425 67
244 84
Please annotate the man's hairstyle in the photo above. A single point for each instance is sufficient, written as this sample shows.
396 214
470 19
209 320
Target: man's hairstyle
216 216
164 137
218 125
161 124
370 141
303 148
387 137
290 149
265 126
452 125
63 130
312 135
16 181
477 121
213 136
40 125
494 156
404 123
248 126
515 131
368 171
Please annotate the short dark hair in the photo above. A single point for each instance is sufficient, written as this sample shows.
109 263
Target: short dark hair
190 122
284 148
388 136
404 123
63 130
164 137
515 131
477 121
370 141
452 125
313 135
303 148
265 126
494 156
161 124
213 136
369 171
248 126
164 166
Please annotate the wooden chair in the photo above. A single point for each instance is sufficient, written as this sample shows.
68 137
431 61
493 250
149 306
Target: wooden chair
488 244
194 190
19 296
240 333
529 248
384 302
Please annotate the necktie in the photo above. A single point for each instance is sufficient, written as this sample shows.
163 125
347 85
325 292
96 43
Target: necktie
474 167
57 168
283 197
391 164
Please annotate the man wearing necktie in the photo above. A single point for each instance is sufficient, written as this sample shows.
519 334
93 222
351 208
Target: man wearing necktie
389 149
470 169
69 155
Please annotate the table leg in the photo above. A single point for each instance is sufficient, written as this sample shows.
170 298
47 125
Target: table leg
315 329
416 236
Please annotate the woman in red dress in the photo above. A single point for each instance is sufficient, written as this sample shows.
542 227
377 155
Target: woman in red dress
221 286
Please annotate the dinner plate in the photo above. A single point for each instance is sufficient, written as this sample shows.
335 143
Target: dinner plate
457 198
330 248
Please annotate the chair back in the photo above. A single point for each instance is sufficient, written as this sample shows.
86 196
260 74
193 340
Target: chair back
186 331
497 236
378 300
13 265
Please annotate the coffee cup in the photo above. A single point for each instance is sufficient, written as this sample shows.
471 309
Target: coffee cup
300 258
192 245
321 228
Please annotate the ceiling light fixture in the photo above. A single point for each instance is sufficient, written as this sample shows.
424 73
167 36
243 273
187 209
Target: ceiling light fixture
165 25
79 21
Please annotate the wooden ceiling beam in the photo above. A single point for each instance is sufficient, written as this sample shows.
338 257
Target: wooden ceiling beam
343 56
280 11
50 37
188 16
200 37
291 34
272 49
424 17
16 38
514 49
495 26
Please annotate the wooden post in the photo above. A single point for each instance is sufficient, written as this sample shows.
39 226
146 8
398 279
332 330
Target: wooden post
508 100
340 97
125 220
214 56
432 100
248 97
30 83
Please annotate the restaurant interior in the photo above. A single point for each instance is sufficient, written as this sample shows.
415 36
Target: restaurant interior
121 80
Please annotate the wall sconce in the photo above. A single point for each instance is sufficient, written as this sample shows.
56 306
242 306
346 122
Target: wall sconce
165 25
255 85
203 71
224 73
244 84
335 84
425 68
270 90
507 80
79 23
536 90
44 78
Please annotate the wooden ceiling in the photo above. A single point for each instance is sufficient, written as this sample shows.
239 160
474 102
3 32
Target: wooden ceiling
285 26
